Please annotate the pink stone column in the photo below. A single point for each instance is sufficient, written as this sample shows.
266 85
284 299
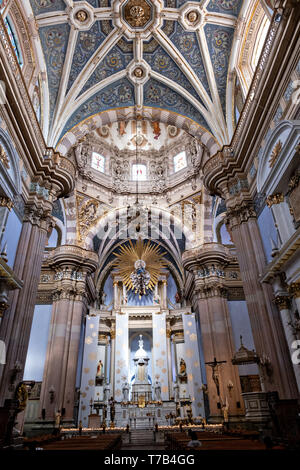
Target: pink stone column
16 325
266 326
217 340
73 265
62 357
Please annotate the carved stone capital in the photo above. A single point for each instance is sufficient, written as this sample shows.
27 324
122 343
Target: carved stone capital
283 302
38 214
6 202
239 214
274 199
71 293
206 291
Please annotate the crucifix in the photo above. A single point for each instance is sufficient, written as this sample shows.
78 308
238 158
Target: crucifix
215 375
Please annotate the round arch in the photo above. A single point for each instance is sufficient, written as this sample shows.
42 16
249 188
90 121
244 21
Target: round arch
71 138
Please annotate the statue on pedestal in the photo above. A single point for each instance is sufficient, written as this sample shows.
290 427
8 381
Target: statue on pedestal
99 373
157 390
125 391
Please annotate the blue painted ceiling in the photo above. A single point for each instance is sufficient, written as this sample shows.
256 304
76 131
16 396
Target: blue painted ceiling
206 53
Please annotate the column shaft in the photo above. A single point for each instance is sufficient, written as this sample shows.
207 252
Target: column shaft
16 326
266 327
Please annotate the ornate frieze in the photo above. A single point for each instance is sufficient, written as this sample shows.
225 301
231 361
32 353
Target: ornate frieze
120 174
87 216
158 173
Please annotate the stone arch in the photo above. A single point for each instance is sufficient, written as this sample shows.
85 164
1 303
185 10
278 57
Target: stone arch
70 139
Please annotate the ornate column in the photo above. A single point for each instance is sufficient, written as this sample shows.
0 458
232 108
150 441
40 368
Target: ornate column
223 382
16 325
73 265
268 335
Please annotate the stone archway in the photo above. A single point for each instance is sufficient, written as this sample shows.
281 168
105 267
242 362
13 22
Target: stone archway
71 138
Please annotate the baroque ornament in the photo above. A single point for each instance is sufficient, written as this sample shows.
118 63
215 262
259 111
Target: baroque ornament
275 152
139 265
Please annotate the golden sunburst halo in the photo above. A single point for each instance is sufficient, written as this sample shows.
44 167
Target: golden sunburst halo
135 251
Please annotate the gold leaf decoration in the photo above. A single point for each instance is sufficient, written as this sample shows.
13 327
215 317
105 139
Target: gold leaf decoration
275 152
148 256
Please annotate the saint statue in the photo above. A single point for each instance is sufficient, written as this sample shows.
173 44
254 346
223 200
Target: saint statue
125 391
182 369
225 409
99 373
157 390
57 419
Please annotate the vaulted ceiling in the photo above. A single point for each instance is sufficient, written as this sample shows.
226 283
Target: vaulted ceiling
106 54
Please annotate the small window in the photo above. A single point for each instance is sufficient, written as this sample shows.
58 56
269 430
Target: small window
139 172
98 162
179 161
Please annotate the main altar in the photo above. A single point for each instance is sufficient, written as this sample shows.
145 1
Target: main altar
141 363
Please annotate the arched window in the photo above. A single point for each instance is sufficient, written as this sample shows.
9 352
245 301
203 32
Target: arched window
98 162
180 161
139 172
14 39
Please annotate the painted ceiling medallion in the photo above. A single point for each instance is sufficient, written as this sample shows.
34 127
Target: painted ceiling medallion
138 72
192 16
82 16
137 13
